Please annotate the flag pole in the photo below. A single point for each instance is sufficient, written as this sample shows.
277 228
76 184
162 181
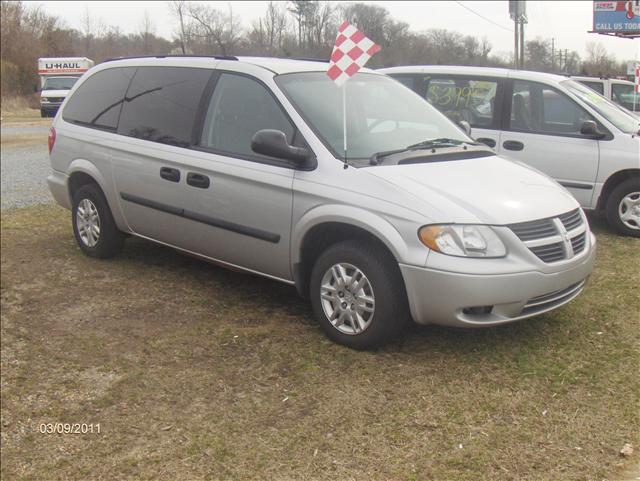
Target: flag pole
344 122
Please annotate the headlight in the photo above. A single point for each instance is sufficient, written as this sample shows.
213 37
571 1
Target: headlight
45 100
462 240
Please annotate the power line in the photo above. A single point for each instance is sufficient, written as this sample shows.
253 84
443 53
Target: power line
485 18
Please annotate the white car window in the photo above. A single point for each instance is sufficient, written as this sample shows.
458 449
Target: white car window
610 111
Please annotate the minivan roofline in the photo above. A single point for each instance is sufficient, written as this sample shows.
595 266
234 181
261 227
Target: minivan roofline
274 65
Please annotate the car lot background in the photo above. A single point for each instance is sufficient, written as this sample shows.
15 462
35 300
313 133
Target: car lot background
196 372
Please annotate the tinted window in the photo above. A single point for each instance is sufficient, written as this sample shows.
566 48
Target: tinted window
240 107
539 108
597 86
162 103
406 80
98 101
459 99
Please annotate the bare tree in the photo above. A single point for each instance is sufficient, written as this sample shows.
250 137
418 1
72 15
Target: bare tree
179 10
219 31
269 31
146 31
91 28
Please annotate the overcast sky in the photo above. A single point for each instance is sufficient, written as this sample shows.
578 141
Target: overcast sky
566 21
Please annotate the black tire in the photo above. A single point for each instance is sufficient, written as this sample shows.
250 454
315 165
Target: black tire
623 189
391 311
110 240
43 114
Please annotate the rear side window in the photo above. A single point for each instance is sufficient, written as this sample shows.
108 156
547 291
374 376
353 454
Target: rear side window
98 101
162 103
406 80
597 86
467 99
239 108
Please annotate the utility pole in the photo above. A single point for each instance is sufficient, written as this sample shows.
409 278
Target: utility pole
518 13
522 43
516 63
553 54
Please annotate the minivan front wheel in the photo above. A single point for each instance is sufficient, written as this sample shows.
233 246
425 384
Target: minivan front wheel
623 207
93 226
357 294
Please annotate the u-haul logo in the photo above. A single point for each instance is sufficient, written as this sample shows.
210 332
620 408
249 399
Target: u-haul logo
61 65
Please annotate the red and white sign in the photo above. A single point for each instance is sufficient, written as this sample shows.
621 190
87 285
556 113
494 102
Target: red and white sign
637 79
351 51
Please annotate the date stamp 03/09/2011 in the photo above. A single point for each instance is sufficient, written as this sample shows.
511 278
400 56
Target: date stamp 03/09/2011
69 428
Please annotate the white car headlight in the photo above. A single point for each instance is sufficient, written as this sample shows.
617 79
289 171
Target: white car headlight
462 240
45 100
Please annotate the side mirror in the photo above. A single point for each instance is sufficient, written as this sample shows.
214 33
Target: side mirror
464 125
590 128
274 144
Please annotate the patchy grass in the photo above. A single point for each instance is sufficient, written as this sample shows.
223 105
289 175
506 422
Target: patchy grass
21 110
195 372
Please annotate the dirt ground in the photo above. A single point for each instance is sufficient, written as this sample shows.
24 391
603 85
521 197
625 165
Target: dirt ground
195 372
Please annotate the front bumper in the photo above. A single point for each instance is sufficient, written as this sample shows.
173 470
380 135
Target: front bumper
50 108
440 297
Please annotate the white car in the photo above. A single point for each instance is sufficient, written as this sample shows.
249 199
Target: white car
553 123
620 92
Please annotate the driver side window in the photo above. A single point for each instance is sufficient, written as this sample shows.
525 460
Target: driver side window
239 108
541 109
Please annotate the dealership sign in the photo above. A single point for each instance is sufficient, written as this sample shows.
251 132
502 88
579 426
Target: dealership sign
616 17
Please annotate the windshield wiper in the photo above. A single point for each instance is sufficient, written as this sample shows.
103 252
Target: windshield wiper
425 144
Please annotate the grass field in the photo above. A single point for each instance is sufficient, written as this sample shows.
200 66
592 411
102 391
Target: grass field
195 372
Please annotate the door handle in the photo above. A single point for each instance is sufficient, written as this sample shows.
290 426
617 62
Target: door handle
172 175
513 145
487 141
198 180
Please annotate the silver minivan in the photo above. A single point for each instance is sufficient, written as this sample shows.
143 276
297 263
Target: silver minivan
243 162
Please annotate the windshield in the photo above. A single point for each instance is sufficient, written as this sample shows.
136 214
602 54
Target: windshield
610 111
59 83
382 114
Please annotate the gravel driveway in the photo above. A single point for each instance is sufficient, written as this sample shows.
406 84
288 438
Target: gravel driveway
24 166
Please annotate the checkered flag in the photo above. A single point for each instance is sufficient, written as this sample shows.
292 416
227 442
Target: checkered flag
351 51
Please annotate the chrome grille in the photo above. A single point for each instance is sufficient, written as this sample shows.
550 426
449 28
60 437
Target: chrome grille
556 238
552 299
578 243
534 230
571 220
549 252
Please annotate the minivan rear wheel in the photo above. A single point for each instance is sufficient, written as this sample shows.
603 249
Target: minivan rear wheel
93 226
357 294
623 207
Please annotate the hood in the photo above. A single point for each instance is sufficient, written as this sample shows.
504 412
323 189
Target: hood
488 190
54 93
